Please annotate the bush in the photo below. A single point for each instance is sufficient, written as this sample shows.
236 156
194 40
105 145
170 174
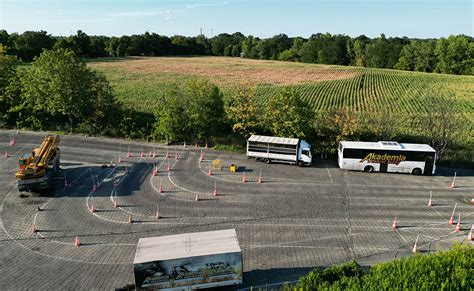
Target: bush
447 270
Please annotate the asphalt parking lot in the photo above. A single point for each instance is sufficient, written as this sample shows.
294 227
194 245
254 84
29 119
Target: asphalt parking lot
296 219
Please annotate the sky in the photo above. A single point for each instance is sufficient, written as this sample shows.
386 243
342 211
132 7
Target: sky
412 18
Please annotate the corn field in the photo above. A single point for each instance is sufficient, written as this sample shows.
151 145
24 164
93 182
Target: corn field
139 84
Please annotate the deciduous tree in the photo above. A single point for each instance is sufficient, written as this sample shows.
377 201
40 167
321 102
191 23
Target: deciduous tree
442 124
243 112
287 115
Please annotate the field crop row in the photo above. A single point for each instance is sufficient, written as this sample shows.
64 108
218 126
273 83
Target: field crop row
140 83
374 90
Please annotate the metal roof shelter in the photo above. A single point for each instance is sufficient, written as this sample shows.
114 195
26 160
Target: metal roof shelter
273 139
186 245
387 145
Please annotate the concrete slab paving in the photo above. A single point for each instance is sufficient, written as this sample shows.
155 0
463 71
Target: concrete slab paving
296 219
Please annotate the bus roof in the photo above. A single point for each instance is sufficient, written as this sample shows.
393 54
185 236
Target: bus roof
273 139
387 145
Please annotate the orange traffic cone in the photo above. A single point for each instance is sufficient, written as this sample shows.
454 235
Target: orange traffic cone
161 189
130 219
209 172
92 208
415 247
116 204
77 242
12 142
215 193
184 145
430 202
129 154
153 173
260 179
142 154
197 197
157 216
34 229
394 224
453 183
469 236
457 228
451 219
168 168
5 155
206 146
150 154
244 178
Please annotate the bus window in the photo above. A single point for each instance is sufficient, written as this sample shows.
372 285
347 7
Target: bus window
306 153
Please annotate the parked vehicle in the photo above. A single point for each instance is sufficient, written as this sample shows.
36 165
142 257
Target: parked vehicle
387 156
279 149
36 170
188 261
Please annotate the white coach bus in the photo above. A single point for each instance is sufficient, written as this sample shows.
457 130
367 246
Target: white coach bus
387 156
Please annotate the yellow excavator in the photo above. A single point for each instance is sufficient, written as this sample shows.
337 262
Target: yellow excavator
36 170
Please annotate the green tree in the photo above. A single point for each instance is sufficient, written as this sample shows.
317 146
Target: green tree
406 61
195 110
380 125
60 87
30 44
287 115
403 64
441 125
336 125
425 59
206 108
288 55
359 51
249 47
243 112
8 66
172 119
455 55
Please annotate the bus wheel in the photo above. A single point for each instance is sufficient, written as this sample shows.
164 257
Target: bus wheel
416 171
368 169
300 163
267 161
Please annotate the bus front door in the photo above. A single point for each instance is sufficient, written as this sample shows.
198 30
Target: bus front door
383 167
429 161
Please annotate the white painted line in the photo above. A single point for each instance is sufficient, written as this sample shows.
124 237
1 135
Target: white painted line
43 254
329 173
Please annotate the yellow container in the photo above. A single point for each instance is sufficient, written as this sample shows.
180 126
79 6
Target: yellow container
233 168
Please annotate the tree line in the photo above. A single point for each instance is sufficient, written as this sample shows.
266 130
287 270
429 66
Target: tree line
452 55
